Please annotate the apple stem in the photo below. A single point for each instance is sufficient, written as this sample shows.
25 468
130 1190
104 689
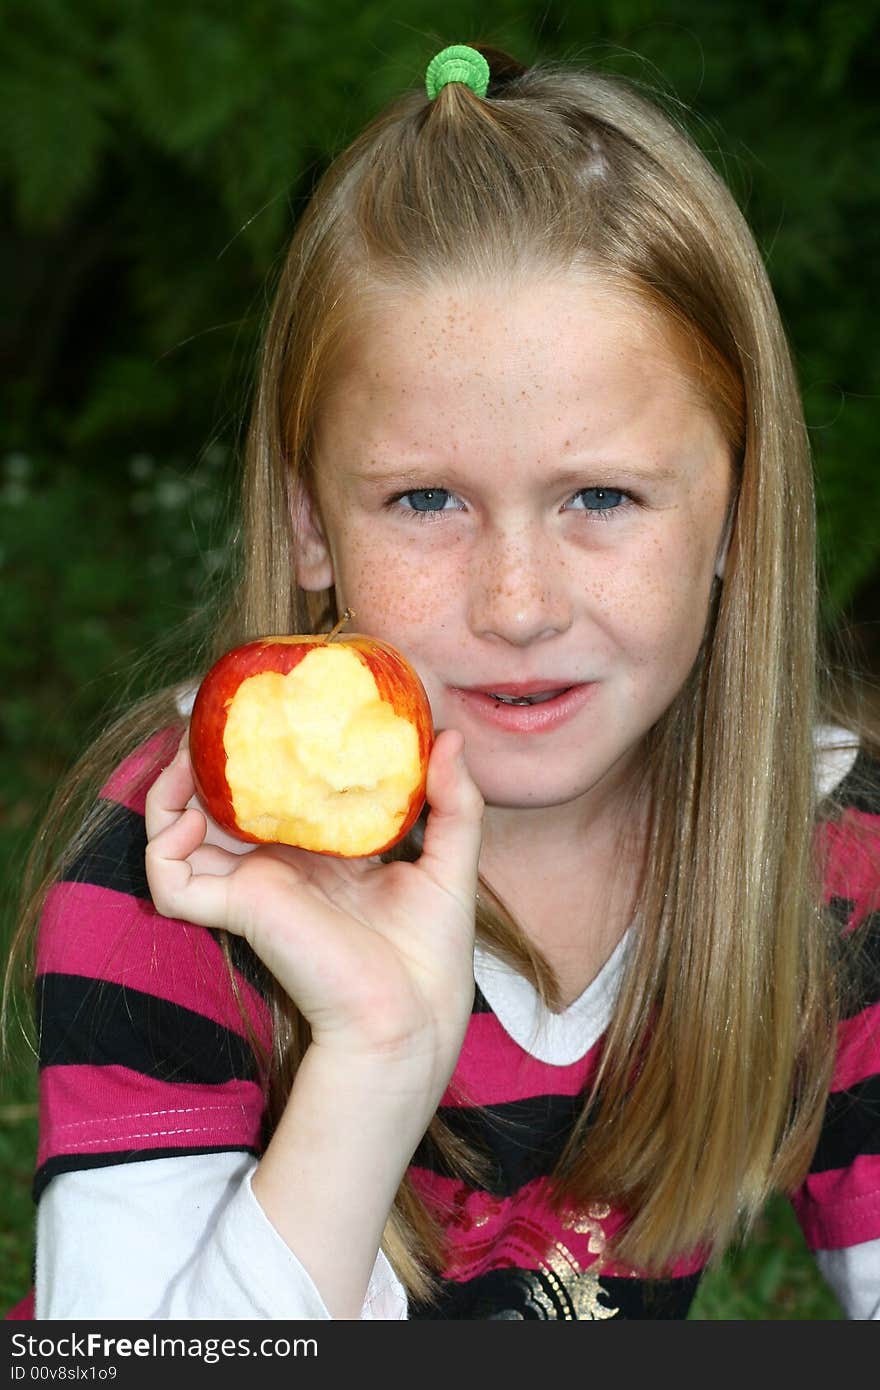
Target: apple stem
346 617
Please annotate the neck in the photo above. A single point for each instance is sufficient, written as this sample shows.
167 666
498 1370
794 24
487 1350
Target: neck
611 809
570 876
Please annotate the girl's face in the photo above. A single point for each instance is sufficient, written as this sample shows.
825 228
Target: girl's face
523 492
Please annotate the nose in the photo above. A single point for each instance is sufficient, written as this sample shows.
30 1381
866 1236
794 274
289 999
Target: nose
517 590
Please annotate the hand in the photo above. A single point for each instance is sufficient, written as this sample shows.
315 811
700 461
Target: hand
377 957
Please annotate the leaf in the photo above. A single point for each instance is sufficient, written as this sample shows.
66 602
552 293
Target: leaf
52 137
126 389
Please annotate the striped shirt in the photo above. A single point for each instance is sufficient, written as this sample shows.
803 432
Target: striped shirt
145 1053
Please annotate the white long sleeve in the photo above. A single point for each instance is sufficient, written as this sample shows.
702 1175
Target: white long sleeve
854 1275
176 1238
185 1238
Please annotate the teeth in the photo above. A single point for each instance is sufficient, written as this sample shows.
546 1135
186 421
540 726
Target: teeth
525 699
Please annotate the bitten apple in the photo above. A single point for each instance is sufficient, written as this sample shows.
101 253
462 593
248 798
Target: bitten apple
317 741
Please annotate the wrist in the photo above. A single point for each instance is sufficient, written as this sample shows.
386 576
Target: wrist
418 1060
400 1087
331 1171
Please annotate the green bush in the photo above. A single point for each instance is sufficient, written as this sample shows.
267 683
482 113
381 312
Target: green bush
153 158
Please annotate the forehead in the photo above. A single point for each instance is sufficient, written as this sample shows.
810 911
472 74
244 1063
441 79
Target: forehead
567 343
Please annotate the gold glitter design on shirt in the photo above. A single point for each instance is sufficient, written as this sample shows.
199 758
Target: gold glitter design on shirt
560 1289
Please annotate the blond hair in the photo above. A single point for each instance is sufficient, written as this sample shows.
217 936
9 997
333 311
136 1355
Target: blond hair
717 1062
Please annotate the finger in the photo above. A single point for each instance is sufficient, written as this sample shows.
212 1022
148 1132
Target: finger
174 887
216 835
169 794
453 832
211 859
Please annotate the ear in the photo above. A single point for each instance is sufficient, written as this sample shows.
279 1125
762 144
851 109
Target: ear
721 556
312 562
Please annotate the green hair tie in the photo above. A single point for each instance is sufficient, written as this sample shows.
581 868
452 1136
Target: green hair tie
457 64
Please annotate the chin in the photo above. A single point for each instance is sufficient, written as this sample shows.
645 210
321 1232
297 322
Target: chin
537 794
539 789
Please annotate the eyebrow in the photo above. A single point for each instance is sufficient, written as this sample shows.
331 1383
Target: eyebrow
612 468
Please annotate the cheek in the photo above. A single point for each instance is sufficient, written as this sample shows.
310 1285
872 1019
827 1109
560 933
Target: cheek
392 587
658 602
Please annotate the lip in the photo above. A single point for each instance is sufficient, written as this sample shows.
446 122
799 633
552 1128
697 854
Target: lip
519 688
525 719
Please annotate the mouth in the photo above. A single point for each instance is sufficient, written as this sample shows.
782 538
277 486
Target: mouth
525 707
528 699
523 692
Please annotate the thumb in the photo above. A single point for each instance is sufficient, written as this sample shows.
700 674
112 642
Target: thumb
451 847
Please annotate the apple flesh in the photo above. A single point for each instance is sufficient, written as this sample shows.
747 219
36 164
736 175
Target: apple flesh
313 742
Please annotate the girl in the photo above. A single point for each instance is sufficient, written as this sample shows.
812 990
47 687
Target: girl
525 405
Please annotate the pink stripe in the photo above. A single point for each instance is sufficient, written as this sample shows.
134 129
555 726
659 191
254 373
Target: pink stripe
23 1311
523 1231
858 1049
492 1069
94 1110
841 1207
104 935
132 779
851 848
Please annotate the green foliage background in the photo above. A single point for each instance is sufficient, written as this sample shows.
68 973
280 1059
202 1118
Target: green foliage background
153 158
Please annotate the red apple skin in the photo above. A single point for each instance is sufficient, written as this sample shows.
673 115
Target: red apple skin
397 683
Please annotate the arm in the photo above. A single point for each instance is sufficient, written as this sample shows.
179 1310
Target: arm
838 1204
854 1275
176 1238
379 959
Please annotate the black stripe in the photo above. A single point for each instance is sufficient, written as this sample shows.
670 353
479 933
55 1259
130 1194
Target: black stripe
533 1295
851 1127
521 1140
76 1163
98 1023
247 965
860 788
481 1006
861 962
840 911
116 859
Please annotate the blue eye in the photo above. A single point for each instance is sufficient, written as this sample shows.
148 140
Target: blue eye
429 503
422 503
601 499
427 499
